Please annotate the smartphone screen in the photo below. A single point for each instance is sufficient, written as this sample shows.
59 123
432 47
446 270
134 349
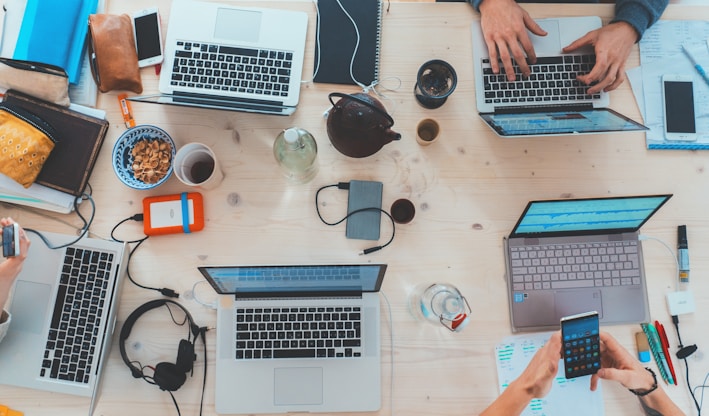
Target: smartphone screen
581 344
10 240
147 38
679 109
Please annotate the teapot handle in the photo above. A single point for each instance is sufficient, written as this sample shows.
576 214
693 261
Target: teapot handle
361 101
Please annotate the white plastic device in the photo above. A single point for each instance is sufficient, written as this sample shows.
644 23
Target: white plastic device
680 302
148 36
678 107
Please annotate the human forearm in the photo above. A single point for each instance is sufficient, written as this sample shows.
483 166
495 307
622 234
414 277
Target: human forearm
658 403
512 401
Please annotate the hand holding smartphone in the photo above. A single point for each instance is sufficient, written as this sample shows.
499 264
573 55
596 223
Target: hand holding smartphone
678 107
11 240
581 344
148 38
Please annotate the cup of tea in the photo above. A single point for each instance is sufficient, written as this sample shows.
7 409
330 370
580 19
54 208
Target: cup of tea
197 165
427 132
435 81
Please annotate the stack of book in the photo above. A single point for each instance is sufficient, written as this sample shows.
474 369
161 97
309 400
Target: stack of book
65 174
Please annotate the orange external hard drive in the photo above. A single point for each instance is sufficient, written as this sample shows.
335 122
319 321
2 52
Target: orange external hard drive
172 214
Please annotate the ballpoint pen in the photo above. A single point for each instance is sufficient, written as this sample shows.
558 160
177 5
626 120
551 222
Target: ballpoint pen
665 348
683 253
696 64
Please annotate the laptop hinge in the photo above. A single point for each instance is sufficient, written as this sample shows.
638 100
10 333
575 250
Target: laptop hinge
542 107
245 103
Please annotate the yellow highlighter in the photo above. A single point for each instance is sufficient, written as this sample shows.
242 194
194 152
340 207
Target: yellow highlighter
6 411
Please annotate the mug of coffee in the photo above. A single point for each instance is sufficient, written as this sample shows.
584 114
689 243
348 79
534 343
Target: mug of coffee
197 165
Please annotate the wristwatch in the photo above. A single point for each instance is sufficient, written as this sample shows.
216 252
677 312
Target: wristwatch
652 388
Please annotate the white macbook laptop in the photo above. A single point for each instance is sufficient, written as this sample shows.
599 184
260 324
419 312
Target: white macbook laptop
232 58
297 338
63 310
570 256
550 101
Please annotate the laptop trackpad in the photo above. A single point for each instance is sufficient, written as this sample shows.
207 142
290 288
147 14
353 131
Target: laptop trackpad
571 302
549 44
29 306
237 24
298 386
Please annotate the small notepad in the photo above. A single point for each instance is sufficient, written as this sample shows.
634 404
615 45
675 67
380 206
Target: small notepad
337 42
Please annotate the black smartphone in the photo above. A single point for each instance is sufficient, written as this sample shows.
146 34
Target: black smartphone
148 38
678 105
581 344
11 240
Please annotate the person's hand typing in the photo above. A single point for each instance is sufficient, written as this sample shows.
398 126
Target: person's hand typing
612 45
504 25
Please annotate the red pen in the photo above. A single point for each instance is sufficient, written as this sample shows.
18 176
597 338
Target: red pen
665 348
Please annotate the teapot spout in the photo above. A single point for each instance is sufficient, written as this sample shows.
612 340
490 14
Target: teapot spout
391 135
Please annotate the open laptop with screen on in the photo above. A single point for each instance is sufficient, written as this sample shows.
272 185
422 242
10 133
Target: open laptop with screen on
550 101
63 309
297 338
570 256
229 57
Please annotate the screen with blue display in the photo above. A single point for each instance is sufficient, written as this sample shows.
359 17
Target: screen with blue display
588 214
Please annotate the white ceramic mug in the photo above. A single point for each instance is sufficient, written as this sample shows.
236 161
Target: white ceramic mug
197 165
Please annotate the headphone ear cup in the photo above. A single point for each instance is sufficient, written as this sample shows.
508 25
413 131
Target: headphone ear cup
168 377
185 356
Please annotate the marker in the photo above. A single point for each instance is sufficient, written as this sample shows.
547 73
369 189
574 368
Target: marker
126 110
683 253
698 67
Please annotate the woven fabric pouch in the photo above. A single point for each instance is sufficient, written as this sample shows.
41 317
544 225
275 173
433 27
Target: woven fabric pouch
25 144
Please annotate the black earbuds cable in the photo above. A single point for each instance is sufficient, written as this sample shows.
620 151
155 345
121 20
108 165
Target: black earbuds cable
139 217
346 186
683 353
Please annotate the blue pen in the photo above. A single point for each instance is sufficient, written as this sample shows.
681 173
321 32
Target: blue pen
698 67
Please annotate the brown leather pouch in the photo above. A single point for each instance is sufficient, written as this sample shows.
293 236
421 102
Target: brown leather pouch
114 61
25 144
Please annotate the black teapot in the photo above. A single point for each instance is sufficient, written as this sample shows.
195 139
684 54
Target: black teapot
358 124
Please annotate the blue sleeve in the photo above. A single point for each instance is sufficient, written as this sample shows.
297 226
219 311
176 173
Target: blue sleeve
640 14
476 4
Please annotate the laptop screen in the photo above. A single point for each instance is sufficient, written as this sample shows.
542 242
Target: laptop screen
588 216
560 122
297 279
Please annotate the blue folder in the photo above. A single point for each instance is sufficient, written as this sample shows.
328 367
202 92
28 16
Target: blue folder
54 32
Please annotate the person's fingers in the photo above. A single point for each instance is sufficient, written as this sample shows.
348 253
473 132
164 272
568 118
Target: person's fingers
584 40
620 78
594 382
492 52
533 26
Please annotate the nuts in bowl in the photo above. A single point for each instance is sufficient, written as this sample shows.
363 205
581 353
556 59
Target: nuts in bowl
143 156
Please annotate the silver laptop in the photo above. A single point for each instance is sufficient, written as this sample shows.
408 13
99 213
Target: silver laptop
550 101
232 58
63 310
297 338
576 255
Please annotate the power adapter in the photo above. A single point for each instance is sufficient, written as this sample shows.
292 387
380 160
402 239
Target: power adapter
680 302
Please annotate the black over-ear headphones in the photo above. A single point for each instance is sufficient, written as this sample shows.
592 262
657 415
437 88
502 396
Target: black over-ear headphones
168 376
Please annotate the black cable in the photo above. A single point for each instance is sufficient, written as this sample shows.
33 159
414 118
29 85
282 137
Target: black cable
84 228
139 217
682 354
346 186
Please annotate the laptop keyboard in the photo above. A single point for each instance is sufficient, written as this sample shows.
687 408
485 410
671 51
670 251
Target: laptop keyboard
74 330
557 266
552 80
227 68
322 332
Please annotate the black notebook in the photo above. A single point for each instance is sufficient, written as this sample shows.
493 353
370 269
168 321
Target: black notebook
338 39
79 139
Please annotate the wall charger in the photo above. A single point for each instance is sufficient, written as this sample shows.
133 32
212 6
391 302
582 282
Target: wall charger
171 214
680 302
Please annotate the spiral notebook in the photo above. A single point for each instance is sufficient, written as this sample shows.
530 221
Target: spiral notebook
337 41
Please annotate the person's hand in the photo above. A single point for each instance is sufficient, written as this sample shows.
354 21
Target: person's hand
618 365
504 24
537 378
612 44
12 265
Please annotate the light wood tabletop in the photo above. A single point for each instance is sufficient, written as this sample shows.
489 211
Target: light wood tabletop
468 189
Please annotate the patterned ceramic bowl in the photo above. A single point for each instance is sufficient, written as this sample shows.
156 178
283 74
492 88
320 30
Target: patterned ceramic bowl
143 157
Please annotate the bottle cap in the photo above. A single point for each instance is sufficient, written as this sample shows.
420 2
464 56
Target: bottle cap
291 135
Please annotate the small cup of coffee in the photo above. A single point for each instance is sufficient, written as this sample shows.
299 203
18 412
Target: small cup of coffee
427 132
403 211
197 165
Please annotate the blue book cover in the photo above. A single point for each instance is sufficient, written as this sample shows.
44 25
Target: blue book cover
54 32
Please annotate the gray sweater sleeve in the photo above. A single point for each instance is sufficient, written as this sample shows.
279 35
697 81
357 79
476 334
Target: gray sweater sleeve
640 14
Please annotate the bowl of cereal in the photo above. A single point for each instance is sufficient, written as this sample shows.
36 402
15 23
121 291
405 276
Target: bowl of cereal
143 156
